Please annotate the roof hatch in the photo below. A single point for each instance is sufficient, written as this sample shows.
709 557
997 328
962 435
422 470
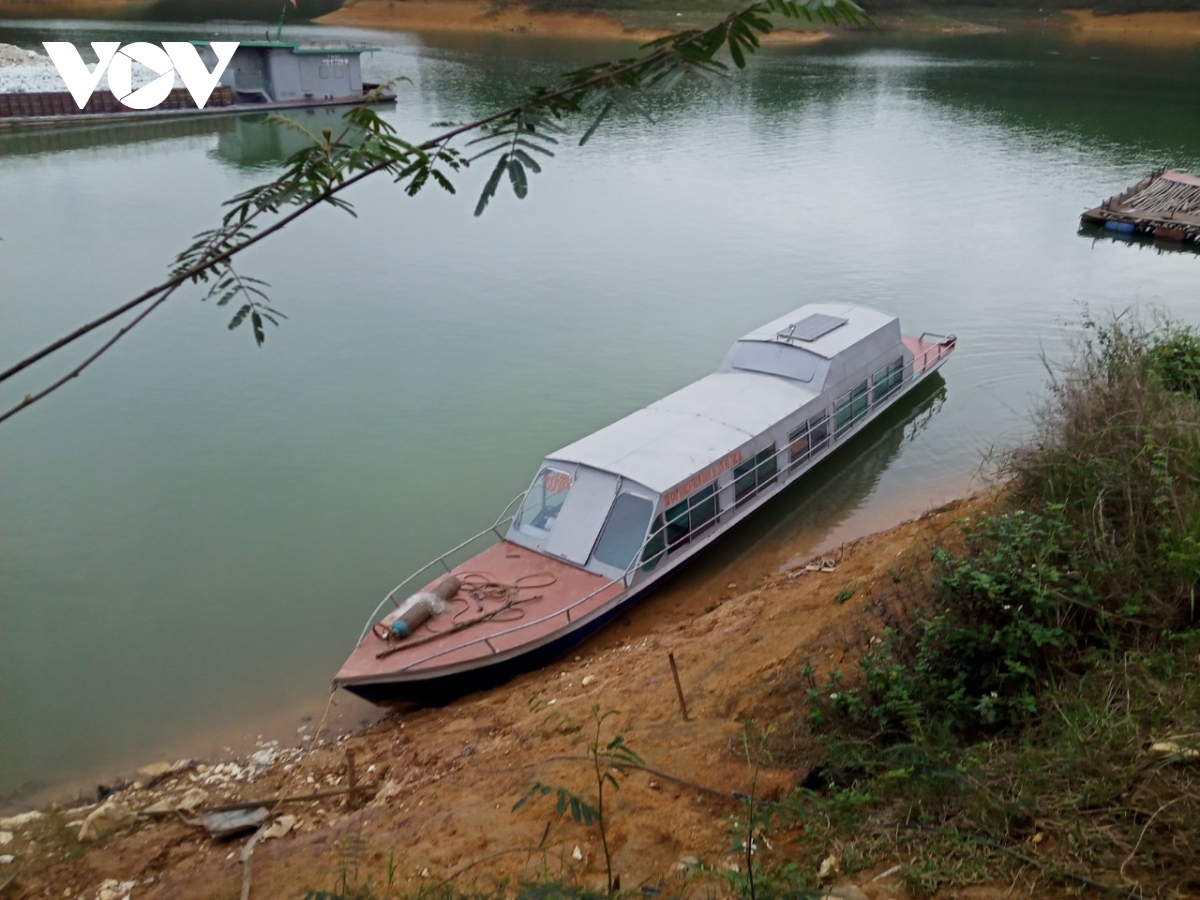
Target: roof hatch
810 328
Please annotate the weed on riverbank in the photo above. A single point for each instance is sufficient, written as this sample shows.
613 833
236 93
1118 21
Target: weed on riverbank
1030 705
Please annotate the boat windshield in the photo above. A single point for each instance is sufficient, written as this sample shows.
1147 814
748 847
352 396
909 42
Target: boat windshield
624 531
543 502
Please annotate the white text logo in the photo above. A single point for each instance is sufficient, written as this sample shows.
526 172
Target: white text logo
165 61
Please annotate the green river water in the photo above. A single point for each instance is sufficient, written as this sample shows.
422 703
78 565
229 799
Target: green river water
192 534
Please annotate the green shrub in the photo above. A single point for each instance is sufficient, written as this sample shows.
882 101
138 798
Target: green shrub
1175 357
1033 688
1102 551
1003 612
1116 454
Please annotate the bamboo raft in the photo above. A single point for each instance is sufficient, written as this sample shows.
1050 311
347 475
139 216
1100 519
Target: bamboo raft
1163 204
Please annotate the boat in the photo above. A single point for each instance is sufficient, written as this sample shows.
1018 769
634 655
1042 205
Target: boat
610 515
263 76
1164 205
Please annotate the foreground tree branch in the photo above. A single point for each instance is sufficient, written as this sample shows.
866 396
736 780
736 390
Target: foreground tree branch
367 145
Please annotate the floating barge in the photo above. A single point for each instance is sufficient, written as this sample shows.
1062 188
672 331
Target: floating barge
262 76
613 513
1164 205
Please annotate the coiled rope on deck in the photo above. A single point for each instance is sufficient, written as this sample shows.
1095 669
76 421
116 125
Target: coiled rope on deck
484 590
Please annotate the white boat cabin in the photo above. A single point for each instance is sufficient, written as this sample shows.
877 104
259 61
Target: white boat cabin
636 496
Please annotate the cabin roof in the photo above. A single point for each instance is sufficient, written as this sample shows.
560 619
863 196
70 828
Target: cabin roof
857 322
677 436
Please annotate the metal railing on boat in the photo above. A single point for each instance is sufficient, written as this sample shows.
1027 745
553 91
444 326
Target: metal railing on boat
943 346
441 560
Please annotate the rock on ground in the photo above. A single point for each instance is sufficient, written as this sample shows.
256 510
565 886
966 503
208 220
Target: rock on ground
21 820
105 820
111 889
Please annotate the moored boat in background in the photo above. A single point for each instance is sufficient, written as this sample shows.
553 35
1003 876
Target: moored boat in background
1164 205
262 76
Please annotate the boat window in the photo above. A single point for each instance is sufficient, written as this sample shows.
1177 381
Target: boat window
543 502
810 438
655 545
885 382
818 430
691 517
754 474
799 446
624 531
850 408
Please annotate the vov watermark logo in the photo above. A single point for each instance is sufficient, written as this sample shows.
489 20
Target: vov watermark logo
171 58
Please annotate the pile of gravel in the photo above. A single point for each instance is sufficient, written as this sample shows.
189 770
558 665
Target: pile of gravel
29 71
11 55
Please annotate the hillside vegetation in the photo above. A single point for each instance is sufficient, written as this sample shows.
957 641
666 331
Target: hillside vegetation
1031 703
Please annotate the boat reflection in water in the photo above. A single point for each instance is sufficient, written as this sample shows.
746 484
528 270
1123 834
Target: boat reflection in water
813 507
42 142
1099 234
261 141
251 141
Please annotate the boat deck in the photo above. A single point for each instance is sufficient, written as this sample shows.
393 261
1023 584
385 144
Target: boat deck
528 599
926 354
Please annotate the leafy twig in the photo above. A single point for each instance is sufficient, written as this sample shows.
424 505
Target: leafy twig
320 173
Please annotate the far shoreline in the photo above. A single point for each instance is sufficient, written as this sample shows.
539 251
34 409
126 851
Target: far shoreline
1175 28
496 17
502 18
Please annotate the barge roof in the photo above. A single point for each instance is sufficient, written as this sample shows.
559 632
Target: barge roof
299 47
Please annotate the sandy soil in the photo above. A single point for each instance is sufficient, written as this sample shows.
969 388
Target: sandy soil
485 16
1149 28
442 782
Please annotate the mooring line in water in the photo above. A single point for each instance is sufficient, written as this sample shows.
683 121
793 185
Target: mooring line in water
320 725
248 847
